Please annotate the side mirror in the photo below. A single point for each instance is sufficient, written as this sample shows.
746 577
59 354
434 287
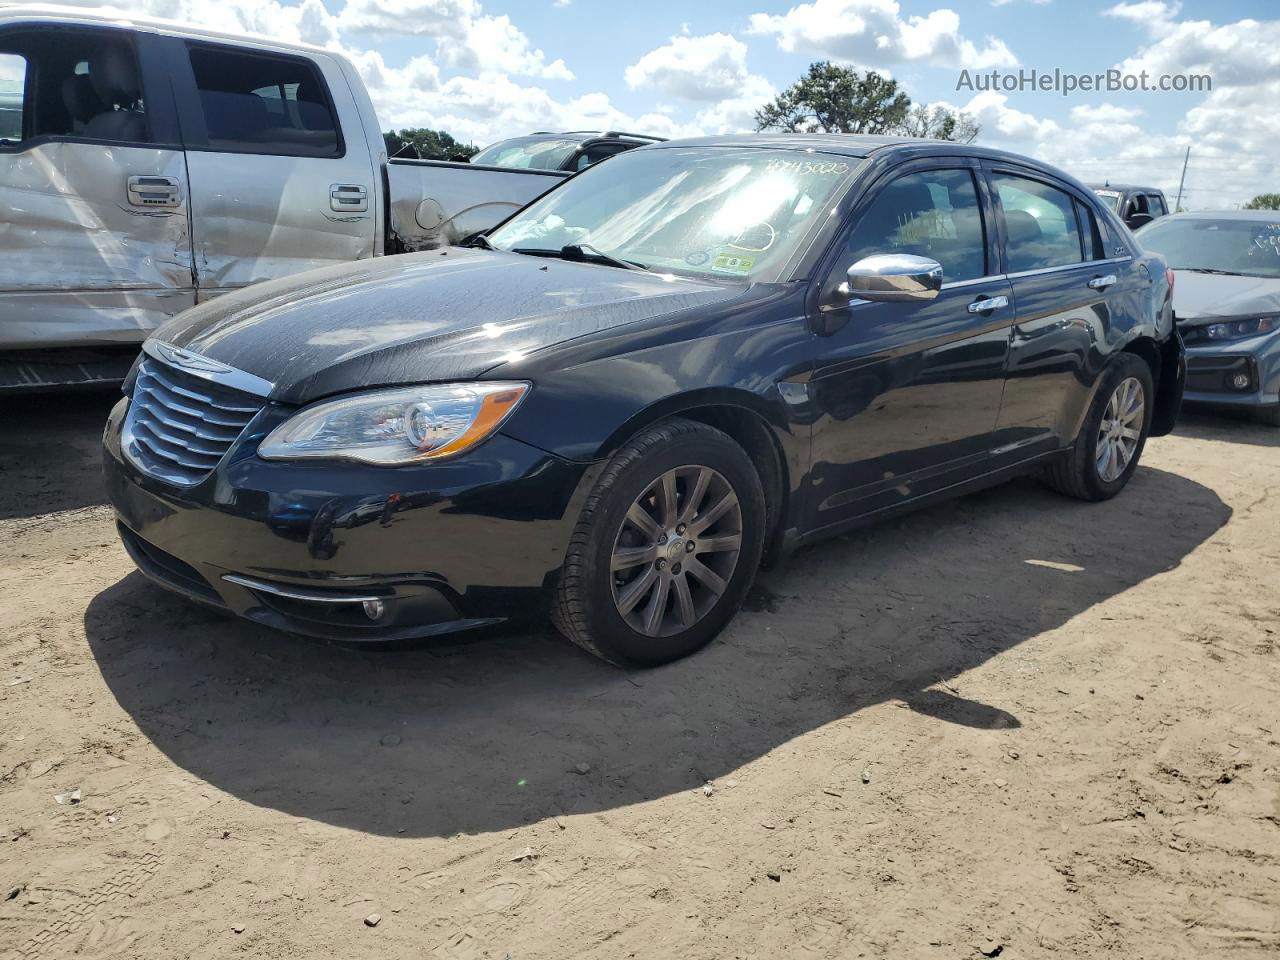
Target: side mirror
893 278
1136 220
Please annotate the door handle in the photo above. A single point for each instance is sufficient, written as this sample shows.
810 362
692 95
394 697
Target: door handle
1101 283
989 304
348 198
147 191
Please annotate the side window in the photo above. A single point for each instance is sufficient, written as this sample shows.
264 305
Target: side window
933 214
13 84
1094 248
1156 205
71 83
1040 224
256 103
1139 203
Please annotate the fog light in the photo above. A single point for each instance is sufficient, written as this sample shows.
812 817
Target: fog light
374 609
1240 381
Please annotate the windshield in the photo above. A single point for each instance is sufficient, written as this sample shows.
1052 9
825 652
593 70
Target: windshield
1248 247
1110 198
530 153
734 212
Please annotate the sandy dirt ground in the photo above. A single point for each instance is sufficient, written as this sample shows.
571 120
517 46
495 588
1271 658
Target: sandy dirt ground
1013 726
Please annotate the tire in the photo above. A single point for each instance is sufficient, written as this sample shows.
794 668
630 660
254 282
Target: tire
1079 473
705 464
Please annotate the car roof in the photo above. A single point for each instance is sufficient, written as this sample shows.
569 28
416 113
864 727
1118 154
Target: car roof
865 146
582 136
1122 187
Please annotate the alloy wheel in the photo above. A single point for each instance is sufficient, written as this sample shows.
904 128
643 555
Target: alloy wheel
676 550
1121 429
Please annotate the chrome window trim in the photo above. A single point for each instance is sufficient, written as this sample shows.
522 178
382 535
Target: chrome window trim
198 365
975 282
1064 267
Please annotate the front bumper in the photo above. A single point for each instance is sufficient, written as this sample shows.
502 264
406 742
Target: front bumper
1212 370
302 546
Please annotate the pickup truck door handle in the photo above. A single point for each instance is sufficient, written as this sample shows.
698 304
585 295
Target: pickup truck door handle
1101 283
348 198
989 304
162 192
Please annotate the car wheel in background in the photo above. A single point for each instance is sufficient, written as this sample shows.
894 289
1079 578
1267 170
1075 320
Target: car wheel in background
1110 443
666 547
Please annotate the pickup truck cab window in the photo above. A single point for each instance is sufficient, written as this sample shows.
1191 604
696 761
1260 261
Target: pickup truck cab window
71 83
736 213
254 103
933 214
1040 224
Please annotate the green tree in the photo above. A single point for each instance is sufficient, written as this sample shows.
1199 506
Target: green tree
940 123
833 99
426 144
1264 201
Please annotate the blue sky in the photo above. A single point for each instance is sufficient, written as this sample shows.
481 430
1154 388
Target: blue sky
487 69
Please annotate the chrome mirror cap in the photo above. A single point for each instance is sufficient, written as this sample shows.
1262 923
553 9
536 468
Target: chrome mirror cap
894 277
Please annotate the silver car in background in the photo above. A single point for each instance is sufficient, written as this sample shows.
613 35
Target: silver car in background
1226 300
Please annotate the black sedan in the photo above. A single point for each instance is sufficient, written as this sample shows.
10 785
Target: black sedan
668 370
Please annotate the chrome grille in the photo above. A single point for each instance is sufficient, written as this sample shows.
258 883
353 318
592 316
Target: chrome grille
179 426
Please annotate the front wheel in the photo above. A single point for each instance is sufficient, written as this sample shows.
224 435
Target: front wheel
1110 443
666 547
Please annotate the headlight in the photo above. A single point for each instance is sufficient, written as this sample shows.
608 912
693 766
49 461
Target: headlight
393 427
1234 329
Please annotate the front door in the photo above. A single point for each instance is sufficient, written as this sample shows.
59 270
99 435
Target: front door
908 394
95 244
281 177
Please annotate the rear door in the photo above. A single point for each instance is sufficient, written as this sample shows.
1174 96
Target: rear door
908 394
1066 286
95 247
281 177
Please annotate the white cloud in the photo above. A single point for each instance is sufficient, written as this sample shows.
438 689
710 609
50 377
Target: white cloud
466 37
1154 15
1104 113
871 33
711 67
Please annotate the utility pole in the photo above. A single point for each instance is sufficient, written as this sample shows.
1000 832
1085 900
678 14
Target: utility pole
1181 180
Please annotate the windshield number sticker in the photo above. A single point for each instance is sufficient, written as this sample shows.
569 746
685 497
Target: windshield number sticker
808 168
739 266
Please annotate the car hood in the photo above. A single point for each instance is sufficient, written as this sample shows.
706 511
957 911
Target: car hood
434 316
1200 298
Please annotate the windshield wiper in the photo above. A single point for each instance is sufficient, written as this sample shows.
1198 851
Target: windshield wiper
585 251
479 240
581 253
1214 270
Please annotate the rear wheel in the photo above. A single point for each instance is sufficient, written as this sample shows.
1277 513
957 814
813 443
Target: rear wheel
1110 442
666 547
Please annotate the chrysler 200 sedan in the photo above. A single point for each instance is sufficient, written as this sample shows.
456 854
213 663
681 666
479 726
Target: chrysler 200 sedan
672 368
1227 305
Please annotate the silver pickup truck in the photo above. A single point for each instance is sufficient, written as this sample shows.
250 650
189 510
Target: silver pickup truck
147 166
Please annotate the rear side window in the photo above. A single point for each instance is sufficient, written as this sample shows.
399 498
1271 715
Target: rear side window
1094 248
1040 224
71 83
13 84
264 104
933 214
1157 206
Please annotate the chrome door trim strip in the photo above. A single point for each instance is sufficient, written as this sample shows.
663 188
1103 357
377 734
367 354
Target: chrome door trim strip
1069 266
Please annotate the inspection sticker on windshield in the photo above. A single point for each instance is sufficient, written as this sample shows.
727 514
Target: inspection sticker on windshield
739 266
